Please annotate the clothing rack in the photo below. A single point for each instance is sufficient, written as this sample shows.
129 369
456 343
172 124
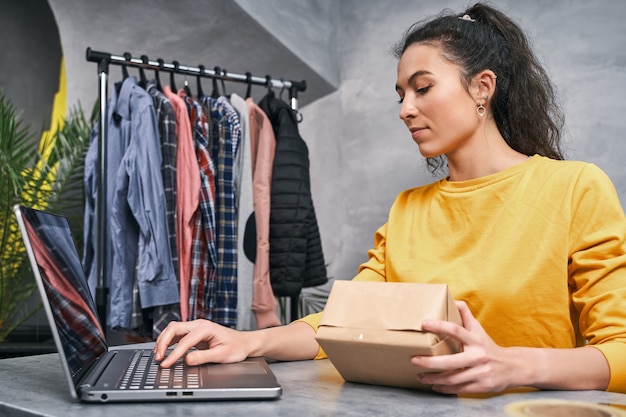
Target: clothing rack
104 60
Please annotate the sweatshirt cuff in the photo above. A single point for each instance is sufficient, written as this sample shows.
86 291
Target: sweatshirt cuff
615 354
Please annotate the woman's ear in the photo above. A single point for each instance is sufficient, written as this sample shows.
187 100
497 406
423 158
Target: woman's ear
484 86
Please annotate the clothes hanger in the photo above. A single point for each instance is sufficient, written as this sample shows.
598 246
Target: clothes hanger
269 85
200 92
143 80
293 93
282 89
225 74
127 57
186 87
249 82
172 82
157 74
216 93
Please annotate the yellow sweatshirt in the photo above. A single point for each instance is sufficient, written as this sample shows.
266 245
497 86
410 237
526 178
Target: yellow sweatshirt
537 251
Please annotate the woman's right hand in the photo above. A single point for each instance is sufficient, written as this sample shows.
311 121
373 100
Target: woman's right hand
212 343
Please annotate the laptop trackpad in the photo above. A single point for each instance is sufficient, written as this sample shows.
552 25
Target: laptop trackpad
239 368
247 374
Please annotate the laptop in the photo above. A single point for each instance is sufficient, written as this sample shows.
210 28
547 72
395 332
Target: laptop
96 373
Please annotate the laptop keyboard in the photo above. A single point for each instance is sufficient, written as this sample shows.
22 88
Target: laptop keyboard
144 373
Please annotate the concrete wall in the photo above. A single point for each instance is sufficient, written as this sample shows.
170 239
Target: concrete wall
361 155
30 60
193 32
308 28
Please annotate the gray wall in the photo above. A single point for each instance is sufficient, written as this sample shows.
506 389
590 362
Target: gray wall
361 155
193 32
30 61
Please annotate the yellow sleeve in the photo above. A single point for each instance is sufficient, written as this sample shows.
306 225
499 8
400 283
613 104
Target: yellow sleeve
374 268
313 320
597 269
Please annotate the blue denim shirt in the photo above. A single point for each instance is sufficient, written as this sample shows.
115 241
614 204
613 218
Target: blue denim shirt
138 231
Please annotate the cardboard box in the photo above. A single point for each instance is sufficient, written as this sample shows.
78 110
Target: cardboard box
371 330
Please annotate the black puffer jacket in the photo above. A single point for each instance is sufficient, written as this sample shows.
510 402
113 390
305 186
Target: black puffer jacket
296 256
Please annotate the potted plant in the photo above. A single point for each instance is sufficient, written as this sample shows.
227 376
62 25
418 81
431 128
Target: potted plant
44 174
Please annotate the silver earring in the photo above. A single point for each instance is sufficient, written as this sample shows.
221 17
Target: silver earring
481 110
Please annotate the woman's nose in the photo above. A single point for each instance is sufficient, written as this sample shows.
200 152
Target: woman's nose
407 110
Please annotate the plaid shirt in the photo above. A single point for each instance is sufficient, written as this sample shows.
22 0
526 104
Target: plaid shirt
204 252
160 316
166 120
224 135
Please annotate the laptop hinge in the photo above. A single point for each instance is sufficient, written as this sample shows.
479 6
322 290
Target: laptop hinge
90 379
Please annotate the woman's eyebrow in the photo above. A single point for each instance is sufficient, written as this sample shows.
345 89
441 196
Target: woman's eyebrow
414 76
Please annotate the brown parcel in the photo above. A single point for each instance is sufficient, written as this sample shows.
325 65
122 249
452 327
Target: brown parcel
370 330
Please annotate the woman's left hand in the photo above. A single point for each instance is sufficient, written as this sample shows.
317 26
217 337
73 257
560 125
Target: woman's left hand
482 366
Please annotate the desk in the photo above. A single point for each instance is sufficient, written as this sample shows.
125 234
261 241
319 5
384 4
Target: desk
35 386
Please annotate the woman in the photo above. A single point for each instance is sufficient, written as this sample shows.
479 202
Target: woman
531 246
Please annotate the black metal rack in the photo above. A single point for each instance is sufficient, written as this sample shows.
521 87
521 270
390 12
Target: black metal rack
104 60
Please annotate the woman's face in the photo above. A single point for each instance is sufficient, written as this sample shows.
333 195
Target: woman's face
437 109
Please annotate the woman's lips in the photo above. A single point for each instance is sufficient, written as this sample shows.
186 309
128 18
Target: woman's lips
416 132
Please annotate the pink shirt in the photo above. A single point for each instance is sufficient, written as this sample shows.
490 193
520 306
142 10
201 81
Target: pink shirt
263 147
188 195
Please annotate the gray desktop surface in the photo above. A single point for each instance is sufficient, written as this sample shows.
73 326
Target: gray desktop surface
35 386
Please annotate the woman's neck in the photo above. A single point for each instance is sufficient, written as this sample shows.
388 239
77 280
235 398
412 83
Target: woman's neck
487 155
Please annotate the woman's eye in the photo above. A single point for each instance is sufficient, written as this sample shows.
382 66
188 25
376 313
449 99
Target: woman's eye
423 90
419 91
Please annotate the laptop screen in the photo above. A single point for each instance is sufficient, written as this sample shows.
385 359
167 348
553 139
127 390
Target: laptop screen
71 304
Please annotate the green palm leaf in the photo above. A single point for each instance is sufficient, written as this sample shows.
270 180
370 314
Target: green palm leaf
26 176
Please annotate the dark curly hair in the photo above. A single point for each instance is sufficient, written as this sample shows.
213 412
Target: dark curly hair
524 105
